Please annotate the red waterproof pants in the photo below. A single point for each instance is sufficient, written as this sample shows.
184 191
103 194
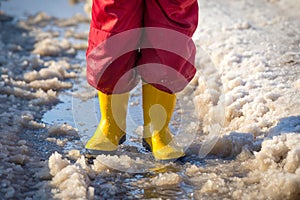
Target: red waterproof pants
150 39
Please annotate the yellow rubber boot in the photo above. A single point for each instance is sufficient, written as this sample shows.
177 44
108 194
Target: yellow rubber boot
158 107
111 129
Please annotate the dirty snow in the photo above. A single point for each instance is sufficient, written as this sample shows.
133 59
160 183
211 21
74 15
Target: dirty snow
246 100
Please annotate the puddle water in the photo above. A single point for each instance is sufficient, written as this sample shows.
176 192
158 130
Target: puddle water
61 113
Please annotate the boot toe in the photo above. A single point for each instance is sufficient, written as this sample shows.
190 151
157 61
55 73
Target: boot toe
168 152
103 143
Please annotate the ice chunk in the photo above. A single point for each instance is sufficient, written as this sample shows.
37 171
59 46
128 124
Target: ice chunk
98 166
41 19
164 179
216 185
121 163
56 163
43 98
83 165
53 47
74 154
194 170
71 181
59 142
48 84
63 129
27 120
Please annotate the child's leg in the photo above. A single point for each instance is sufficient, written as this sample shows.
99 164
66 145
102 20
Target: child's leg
105 66
168 66
172 45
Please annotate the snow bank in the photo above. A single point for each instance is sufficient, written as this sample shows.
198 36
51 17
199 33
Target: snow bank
250 61
248 77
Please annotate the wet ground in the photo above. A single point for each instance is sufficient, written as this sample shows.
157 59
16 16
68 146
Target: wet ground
47 107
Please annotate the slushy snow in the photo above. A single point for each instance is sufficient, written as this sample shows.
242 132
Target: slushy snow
246 100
